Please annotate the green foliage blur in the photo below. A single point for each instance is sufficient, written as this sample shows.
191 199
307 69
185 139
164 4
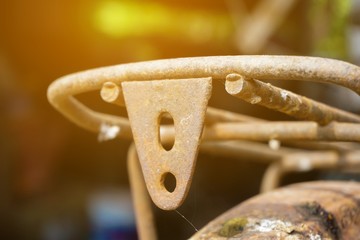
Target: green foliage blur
331 17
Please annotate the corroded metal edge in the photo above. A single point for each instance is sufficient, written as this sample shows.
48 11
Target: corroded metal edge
313 210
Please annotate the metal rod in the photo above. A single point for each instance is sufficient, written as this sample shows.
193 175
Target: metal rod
244 150
61 92
265 131
322 145
264 94
112 93
262 131
303 161
351 159
214 115
271 178
142 204
306 161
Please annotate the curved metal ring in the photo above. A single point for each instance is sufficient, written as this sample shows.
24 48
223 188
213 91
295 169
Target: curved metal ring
61 92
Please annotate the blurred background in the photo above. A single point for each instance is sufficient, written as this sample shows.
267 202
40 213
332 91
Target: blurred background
57 182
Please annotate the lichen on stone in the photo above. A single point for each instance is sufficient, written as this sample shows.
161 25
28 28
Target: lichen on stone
233 227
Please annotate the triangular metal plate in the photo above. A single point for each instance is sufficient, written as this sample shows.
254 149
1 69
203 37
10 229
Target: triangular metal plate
186 101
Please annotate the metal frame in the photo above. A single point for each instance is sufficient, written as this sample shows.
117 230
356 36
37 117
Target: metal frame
243 78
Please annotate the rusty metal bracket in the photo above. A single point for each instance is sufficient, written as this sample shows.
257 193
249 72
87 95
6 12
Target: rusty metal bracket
147 102
179 89
243 77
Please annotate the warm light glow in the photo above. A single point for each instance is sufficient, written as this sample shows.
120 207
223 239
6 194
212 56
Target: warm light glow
125 19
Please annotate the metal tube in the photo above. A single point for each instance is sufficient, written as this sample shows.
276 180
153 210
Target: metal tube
142 204
306 161
264 94
244 150
61 92
271 178
262 131
265 131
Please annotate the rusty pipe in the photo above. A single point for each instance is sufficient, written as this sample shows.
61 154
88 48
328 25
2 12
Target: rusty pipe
61 92
142 204
303 108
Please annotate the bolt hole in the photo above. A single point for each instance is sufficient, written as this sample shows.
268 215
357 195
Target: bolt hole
169 181
166 131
